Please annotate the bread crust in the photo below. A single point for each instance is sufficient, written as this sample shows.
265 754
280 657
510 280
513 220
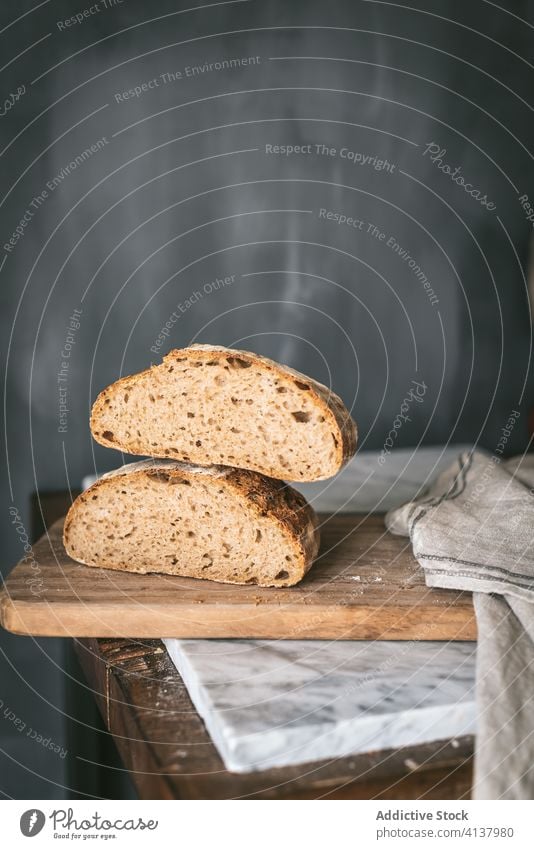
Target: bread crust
261 496
342 425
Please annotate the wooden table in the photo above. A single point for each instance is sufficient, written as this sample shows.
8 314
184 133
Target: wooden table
168 754
164 744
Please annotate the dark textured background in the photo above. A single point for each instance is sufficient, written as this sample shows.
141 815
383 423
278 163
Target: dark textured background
183 193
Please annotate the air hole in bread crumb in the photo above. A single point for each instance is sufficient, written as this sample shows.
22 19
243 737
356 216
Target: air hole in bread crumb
234 430
335 440
258 535
126 396
107 434
159 476
300 385
251 581
190 415
198 443
281 575
301 416
234 401
190 533
281 389
151 397
237 362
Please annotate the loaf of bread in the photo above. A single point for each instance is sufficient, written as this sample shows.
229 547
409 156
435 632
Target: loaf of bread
222 524
207 404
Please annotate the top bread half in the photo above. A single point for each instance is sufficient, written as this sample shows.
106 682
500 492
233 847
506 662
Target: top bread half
208 404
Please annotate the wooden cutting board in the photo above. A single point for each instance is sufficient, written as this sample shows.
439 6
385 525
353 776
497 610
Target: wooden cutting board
365 585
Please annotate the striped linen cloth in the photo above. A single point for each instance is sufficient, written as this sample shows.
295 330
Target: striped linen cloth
473 529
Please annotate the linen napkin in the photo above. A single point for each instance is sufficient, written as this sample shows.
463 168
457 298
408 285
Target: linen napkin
473 529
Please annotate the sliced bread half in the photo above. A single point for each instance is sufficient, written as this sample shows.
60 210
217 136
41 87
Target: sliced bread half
207 404
222 524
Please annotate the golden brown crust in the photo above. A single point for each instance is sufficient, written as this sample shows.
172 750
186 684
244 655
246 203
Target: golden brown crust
332 407
285 505
265 497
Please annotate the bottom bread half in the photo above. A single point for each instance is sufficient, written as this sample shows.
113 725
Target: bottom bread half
216 523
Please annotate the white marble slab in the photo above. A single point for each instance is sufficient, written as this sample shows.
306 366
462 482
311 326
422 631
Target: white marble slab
274 703
364 485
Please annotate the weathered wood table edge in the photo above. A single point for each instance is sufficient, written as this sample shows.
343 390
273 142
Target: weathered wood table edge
168 753
52 595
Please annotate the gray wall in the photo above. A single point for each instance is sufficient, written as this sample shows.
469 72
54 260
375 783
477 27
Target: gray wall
186 194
